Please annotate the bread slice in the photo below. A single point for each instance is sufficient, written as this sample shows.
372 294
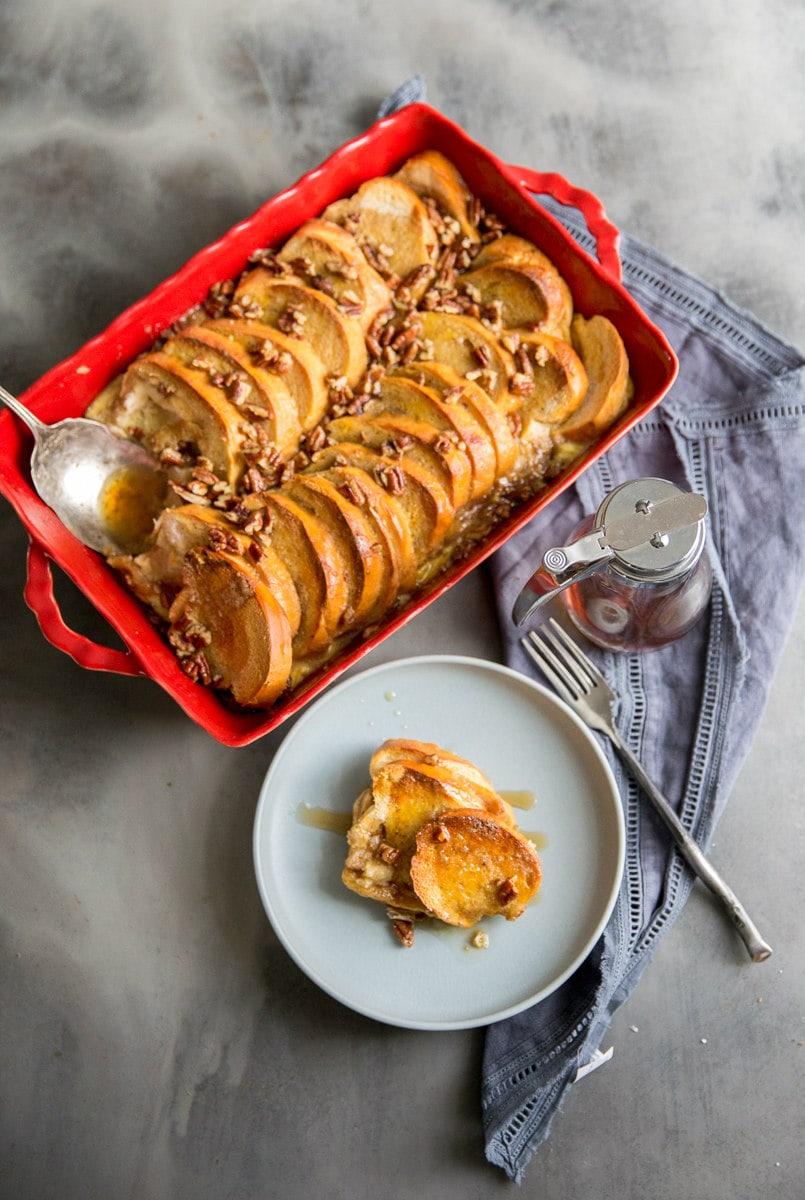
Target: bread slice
467 866
374 868
387 521
155 575
455 390
413 783
512 248
400 392
526 294
443 764
601 350
312 548
174 412
433 176
382 839
301 369
422 500
355 542
309 315
328 258
471 349
558 378
390 224
242 630
399 436
261 396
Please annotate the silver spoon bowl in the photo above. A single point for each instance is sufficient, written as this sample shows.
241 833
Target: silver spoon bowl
107 491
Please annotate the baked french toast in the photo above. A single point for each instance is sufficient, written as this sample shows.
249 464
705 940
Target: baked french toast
431 836
359 408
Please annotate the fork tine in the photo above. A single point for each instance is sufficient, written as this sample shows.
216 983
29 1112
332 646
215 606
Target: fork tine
551 666
586 664
581 677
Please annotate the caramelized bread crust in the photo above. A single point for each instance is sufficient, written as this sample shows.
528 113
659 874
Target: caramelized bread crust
354 412
329 258
308 315
436 180
468 866
226 603
431 836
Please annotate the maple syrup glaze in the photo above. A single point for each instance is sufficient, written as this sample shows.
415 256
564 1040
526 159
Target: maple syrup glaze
130 501
324 818
519 799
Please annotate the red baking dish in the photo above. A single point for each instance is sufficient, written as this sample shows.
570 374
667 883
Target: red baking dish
68 388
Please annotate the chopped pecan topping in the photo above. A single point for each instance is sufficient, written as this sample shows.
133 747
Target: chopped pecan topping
419 275
507 891
350 491
301 265
315 439
254 481
223 539
337 266
350 308
396 444
246 309
188 496
216 302
172 457
521 383
406 336
404 932
266 354
446 270
523 361
482 353
255 522
391 478
269 260
487 379
292 321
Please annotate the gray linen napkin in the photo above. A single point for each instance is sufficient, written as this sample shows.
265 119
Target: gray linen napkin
733 429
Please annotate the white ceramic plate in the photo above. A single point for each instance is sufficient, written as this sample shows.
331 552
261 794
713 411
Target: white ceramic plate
525 740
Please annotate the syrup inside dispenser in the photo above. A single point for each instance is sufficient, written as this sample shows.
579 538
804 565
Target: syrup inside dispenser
635 575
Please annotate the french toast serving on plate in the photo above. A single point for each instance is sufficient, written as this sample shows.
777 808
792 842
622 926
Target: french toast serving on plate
347 418
432 837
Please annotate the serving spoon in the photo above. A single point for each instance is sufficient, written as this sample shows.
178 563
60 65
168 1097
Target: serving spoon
106 490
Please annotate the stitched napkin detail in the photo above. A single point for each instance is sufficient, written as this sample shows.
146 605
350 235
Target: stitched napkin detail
732 428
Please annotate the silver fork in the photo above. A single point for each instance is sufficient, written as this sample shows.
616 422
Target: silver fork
579 682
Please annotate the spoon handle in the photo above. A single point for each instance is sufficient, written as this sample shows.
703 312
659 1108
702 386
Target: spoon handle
34 424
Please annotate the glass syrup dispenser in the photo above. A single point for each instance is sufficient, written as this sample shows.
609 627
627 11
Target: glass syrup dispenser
635 575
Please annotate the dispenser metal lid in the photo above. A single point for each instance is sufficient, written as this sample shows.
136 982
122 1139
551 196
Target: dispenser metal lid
655 530
646 531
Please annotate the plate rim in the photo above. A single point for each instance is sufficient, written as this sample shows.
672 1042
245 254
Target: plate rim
263 809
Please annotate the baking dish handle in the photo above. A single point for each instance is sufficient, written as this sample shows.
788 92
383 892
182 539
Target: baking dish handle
607 237
40 598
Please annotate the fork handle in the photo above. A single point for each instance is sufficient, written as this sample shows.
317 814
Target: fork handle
759 949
